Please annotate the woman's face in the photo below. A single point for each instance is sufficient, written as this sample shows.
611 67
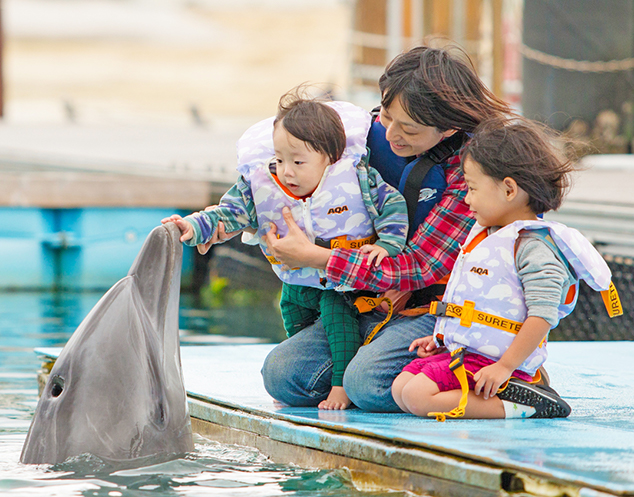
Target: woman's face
406 136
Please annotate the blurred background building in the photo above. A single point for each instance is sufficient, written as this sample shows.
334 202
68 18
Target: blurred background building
489 30
219 63
116 113
565 62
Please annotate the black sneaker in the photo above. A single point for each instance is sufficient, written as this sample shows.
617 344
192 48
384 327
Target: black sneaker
547 402
545 379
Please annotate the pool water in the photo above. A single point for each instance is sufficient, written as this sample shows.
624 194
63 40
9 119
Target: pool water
29 320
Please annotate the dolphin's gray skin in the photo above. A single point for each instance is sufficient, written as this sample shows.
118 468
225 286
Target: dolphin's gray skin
116 390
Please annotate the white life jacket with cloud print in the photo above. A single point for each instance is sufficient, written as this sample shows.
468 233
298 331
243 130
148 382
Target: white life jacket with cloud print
487 276
335 208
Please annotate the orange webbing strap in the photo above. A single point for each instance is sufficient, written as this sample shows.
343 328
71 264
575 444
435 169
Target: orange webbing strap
272 259
366 304
339 242
344 243
612 301
457 366
415 311
467 313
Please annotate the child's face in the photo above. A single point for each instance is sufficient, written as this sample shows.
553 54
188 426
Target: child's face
299 168
486 197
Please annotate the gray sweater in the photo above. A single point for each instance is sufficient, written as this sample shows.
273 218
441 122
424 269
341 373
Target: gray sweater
545 276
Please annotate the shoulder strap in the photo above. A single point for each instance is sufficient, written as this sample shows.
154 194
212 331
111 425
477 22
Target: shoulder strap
436 155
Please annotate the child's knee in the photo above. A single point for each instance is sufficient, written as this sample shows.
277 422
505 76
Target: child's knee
399 382
415 398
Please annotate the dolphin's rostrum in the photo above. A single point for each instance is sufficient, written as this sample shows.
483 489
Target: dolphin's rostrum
116 391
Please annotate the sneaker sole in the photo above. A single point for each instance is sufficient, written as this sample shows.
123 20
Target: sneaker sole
546 401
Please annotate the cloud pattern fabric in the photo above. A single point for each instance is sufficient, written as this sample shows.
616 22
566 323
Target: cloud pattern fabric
487 276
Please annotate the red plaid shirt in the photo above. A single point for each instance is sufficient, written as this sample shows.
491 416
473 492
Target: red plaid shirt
429 255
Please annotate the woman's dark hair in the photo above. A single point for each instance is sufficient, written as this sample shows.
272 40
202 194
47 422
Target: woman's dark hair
313 122
528 152
439 87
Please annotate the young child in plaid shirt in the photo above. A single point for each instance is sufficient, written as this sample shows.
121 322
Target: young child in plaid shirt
320 172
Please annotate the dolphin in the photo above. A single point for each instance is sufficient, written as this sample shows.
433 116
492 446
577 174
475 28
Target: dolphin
116 391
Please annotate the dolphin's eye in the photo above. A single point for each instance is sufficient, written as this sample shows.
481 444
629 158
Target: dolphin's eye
57 386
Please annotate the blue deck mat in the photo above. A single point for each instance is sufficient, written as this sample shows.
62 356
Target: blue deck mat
593 447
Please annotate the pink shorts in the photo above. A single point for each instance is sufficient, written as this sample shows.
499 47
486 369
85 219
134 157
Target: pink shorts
436 368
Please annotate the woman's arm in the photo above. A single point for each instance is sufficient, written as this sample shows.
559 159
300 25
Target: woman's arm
387 209
429 255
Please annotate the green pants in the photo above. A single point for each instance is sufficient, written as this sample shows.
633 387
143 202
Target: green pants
302 305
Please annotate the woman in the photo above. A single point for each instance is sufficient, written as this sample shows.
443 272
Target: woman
428 95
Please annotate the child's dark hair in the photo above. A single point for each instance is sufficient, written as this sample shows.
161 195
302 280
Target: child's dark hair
313 122
529 153
439 87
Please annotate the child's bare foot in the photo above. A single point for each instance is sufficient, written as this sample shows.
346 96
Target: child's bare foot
337 399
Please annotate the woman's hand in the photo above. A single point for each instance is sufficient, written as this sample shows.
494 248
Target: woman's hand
295 250
399 301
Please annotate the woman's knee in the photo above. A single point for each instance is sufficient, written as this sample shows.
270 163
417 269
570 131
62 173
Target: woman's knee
294 377
277 373
357 379
367 386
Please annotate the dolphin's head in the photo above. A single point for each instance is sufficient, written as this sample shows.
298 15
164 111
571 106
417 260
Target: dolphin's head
116 390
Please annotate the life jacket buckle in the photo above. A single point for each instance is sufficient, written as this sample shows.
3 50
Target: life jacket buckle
438 308
457 358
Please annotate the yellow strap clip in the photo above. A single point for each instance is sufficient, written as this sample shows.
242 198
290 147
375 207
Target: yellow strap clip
366 304
467 313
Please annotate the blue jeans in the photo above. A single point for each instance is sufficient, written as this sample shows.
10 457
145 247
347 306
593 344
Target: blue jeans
298 371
